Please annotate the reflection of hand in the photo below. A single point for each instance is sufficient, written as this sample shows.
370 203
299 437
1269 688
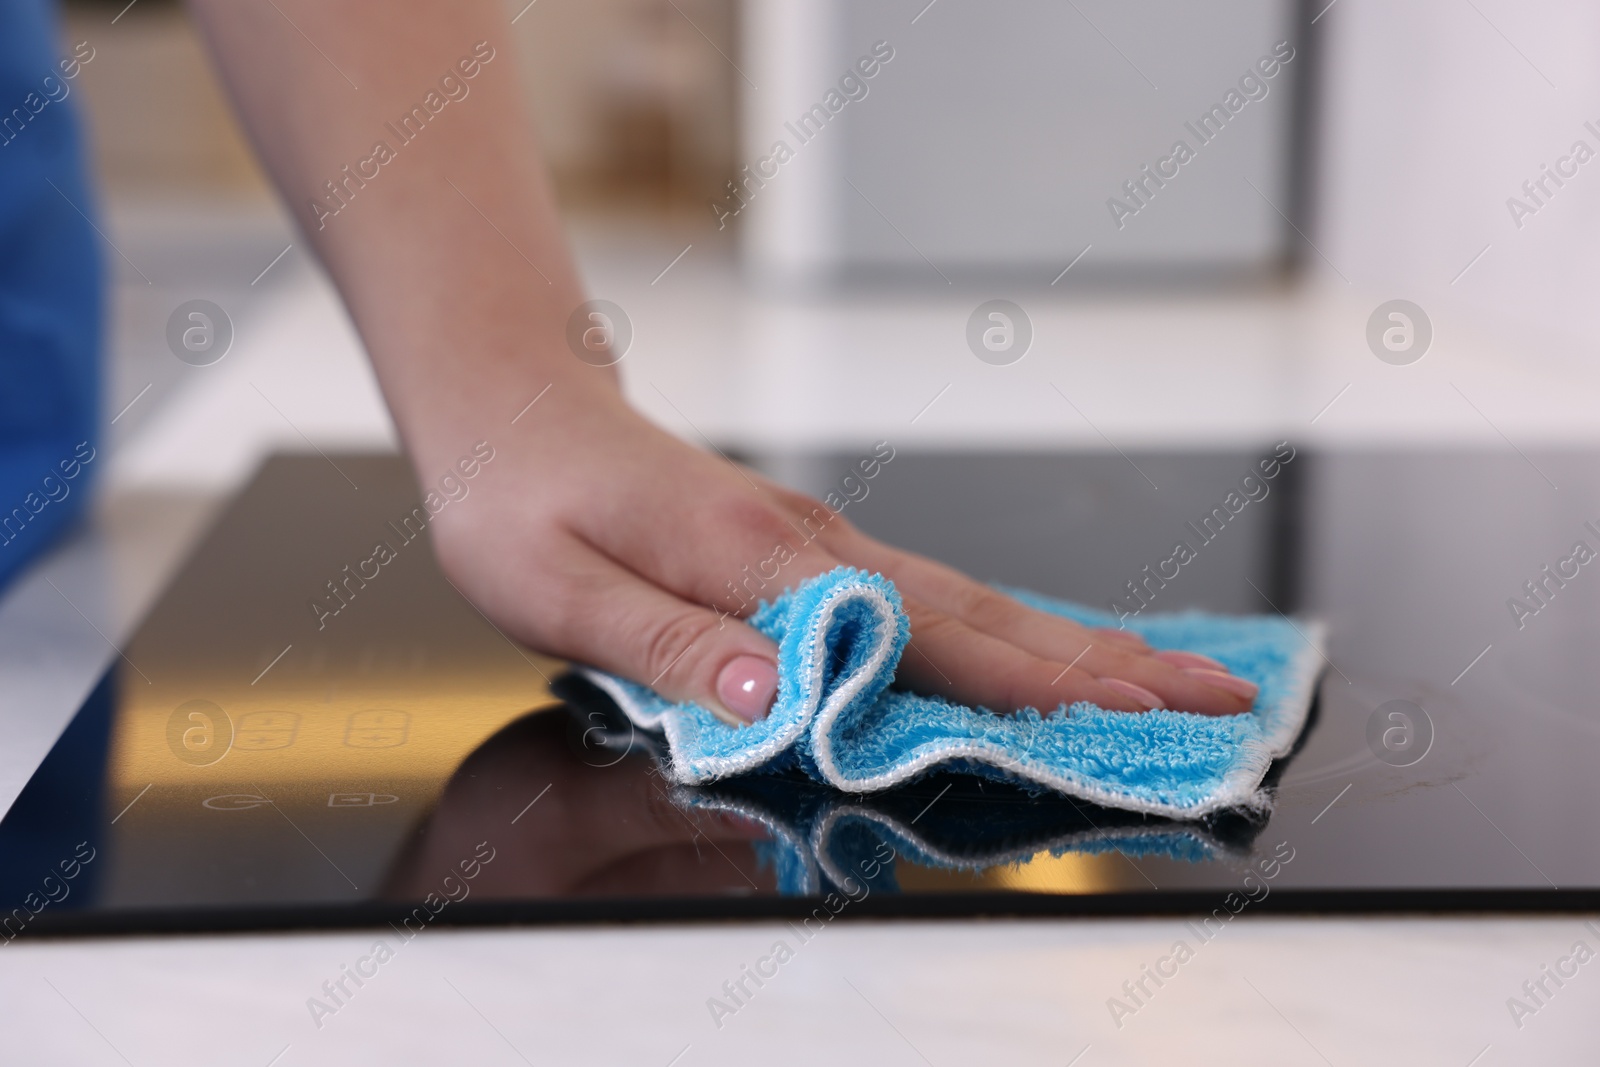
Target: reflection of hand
598 537
597 830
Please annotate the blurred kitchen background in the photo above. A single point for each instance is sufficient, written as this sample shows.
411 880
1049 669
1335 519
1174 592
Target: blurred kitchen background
1233 307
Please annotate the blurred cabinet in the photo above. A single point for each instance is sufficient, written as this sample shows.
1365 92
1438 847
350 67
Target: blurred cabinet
999 139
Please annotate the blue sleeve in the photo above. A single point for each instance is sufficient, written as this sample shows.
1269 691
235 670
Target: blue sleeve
51 311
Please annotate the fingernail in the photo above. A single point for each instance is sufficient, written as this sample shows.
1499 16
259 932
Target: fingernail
1122 637
1226 682
1190 659
747 686
1132 692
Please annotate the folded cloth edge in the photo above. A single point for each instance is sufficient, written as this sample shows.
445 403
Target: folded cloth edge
1239 787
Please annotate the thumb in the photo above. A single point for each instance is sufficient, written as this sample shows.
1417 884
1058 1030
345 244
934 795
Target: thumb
683 651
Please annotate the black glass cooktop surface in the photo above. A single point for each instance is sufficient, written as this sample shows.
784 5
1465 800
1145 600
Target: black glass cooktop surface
312 727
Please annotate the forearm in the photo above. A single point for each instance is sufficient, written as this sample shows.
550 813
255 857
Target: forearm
440 231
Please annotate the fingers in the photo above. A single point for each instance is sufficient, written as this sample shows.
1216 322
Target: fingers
969 642
685 542
574 602
1190 659
1122 662
1125 639
948 658
1209 692
683 651
723 541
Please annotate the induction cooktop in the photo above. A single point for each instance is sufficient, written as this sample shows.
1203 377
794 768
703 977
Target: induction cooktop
313 728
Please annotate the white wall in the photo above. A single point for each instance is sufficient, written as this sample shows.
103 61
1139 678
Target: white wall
1432 120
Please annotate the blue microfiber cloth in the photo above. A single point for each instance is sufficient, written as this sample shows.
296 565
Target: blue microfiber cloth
839 639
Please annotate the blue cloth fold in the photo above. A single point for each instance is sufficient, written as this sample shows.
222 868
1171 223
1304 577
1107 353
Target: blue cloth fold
840 636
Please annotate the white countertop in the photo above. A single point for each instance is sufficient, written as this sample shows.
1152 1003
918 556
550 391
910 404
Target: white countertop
714 357
1269 992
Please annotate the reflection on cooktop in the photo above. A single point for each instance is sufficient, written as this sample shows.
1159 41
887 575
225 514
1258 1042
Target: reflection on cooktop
617 824
253 763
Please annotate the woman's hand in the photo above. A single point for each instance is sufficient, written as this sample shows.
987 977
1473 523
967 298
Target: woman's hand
600 538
